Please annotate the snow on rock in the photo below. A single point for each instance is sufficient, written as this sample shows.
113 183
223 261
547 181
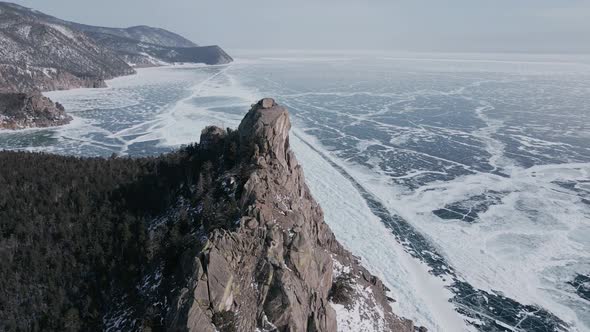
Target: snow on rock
363 314
31 40
359 301
63 30
360 317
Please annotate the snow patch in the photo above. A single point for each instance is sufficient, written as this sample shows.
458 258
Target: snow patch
63 30
49 72
359 316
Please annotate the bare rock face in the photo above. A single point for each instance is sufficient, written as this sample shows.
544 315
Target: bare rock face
281 268
25 110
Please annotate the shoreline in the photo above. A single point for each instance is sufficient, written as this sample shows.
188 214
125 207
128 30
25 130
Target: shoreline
44 93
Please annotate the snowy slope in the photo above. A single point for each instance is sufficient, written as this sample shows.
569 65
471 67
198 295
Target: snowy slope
36 54
41 52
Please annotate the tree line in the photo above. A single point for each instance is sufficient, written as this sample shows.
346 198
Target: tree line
74 229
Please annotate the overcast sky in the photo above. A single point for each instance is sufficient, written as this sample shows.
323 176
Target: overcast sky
543 26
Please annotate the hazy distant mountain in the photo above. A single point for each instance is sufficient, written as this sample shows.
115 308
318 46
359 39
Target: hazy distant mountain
141 54
148 46
141 33
39 52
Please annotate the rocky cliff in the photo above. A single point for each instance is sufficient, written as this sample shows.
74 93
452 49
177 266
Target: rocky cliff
281 268
24 110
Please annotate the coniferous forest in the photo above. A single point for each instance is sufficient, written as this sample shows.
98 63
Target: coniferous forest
74 231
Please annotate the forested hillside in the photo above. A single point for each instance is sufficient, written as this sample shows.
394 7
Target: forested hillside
74 231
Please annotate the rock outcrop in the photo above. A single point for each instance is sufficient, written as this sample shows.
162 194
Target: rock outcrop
281 269
24 110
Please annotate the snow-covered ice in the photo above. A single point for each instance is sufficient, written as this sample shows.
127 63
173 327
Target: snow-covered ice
485 157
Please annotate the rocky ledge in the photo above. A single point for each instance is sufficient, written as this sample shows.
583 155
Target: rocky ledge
26 110
281 268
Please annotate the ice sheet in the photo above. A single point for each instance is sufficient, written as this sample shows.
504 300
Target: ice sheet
501 142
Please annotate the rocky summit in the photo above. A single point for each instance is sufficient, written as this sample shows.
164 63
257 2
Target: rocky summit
282 269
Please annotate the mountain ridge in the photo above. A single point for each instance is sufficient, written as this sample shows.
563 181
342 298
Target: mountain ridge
39 52
143 33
